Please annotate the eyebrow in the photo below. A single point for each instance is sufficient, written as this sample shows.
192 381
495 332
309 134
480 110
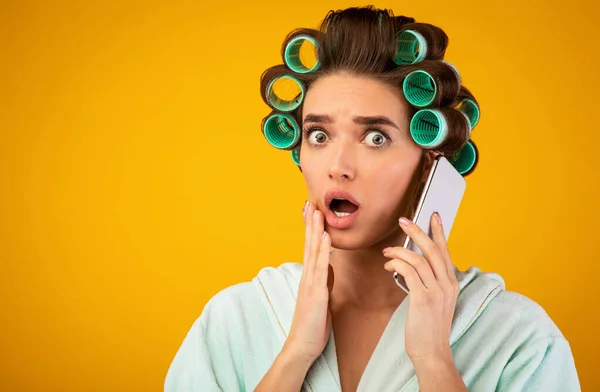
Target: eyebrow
363 120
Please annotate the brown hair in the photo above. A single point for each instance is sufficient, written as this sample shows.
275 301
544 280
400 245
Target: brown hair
364 41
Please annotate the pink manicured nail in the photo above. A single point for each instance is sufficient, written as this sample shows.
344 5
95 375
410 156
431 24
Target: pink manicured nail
386 250
405 221
438 217
315 215
305 209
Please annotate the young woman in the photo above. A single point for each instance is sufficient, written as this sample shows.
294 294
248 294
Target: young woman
338 321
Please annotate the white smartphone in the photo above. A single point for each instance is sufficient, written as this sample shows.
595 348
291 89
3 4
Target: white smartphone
443 192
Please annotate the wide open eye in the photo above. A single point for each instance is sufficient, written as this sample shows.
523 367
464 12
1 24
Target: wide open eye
316 136
376 139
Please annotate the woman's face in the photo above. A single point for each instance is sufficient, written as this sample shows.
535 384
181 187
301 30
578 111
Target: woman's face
357 140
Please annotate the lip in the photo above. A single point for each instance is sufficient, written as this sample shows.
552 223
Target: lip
340 222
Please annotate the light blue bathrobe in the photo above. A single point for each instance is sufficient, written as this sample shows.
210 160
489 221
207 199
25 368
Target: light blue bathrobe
501 341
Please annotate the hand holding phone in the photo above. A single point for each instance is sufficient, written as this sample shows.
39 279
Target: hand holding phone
442 193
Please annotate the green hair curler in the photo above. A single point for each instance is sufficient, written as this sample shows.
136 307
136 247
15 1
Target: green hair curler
419 88
412 47
281 104
471 110
292 54
466 159
281 131
429 128
296 155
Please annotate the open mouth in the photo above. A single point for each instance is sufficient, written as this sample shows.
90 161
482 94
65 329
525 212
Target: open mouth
342 207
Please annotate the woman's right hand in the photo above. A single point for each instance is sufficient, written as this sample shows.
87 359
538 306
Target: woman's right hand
311 323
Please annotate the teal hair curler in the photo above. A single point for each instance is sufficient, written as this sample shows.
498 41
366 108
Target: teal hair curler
296 155
466 159
419 88
471 110
281 131
412 47
429 128
292 54
280 104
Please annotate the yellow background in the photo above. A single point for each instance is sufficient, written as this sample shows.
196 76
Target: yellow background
135 182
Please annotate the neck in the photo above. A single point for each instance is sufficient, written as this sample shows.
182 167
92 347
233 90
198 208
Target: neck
360 281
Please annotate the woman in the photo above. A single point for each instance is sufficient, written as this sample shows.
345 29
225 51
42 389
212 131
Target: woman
338 321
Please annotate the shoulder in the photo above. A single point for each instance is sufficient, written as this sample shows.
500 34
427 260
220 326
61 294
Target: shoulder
517 311
243 299
485 300
534 352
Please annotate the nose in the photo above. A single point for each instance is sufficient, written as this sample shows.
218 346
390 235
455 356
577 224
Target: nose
342 162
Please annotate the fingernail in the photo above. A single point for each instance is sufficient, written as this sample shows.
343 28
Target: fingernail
305 209
315 215
405 222
438 217
324 234
386 250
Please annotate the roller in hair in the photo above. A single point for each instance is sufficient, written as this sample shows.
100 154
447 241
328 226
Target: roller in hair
291 54
470 109
296 155
466 159
440 129
435 84
281 131
412 47
279 103
429 40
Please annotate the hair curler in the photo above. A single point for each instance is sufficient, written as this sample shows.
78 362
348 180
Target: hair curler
412 47
429 128
466 159
281 104
471 110
419 88
281 131
291 55
296 155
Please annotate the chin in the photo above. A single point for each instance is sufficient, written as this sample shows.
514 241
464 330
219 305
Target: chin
355 238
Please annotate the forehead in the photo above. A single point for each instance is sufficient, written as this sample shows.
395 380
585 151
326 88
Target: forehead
344 95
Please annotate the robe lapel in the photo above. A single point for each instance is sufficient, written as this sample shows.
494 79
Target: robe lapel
279 288
390 368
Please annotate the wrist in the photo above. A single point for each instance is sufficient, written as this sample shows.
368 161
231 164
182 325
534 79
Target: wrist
433 365
438 372
293 356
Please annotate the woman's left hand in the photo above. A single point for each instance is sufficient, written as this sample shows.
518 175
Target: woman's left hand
433 288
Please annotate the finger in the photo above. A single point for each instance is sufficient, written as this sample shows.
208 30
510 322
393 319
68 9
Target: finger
308 268
416 261
316 235
322 263
429 248
410 275
439 238
304 209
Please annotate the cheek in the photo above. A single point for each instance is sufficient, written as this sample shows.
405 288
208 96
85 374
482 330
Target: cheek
311 175
392 180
